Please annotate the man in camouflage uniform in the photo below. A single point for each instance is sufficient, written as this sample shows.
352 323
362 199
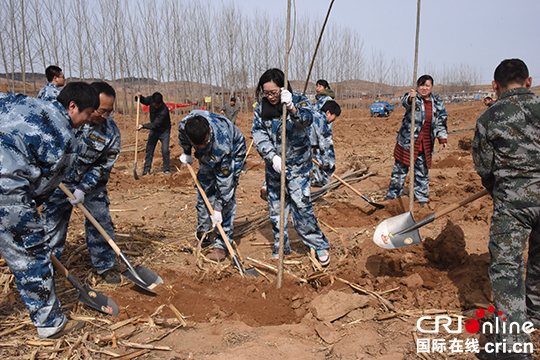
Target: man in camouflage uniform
55 80
266 131
99 147
506 152
322 144
220 148
37 149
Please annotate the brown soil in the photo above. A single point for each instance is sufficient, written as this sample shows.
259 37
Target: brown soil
230 317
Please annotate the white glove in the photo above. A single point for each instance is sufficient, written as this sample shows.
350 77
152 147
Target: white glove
186 159
286 98
216 218
276 164
79 197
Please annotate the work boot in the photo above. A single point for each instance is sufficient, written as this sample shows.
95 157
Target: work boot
111 276
145 172
217 255
68 327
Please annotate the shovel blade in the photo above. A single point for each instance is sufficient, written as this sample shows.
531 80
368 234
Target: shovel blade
98 301
135 170
149 278
251 271
384 233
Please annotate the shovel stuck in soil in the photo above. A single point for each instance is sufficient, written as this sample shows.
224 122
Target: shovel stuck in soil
141 276
378 206
244 163
250 271
136 140
87 295
400 231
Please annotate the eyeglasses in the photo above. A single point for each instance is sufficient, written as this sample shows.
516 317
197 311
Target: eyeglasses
273 93
103 113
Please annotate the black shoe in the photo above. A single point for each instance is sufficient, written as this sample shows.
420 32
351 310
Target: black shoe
111 276
483 355
144 173
167 172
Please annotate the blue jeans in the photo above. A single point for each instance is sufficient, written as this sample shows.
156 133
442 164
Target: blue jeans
153 137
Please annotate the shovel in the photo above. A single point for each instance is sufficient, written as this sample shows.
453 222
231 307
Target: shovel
378 206
141 276
251 271
244 164
88 296
136 140
400 231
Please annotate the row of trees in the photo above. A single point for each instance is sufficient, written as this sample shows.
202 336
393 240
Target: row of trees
185 42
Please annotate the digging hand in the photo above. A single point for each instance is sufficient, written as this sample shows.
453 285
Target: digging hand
276 164
186 159
286 98
79 197
216 218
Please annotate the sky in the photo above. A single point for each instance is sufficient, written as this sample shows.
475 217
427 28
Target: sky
476 33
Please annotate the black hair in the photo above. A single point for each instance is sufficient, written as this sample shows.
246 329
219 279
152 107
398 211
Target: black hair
275 75
422 80
197 128
52 71
511 71
488 98
157 98
233 99
103 88
81 93
331 106
323 83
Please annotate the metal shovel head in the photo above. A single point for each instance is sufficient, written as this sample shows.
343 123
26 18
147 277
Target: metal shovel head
98 301
384 233
149 278
135 175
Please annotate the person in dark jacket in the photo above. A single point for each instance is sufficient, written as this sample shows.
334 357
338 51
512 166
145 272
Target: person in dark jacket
160 129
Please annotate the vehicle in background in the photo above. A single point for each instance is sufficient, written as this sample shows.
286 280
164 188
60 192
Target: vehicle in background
381 108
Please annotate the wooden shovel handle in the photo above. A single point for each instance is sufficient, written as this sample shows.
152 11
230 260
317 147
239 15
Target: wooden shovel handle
137 127
59 266
92 220
461 203
340 180
211 209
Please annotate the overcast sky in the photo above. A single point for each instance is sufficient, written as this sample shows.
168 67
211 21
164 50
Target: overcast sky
478 33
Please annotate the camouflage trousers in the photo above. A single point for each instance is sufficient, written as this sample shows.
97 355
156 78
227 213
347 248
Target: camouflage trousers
518 299
23 247
298 203
421 179
228 212
56 214
319 177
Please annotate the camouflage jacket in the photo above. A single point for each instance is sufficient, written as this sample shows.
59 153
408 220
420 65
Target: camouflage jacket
37 148
49 92
506 148
223 156
439 127
267 136
320 133
99 147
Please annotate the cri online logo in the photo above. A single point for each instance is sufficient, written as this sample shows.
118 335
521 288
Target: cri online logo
473 326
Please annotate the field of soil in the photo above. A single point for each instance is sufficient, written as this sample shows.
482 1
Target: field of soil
365 305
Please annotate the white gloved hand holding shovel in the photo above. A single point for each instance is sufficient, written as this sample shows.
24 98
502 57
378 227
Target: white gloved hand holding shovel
216 218
79 197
